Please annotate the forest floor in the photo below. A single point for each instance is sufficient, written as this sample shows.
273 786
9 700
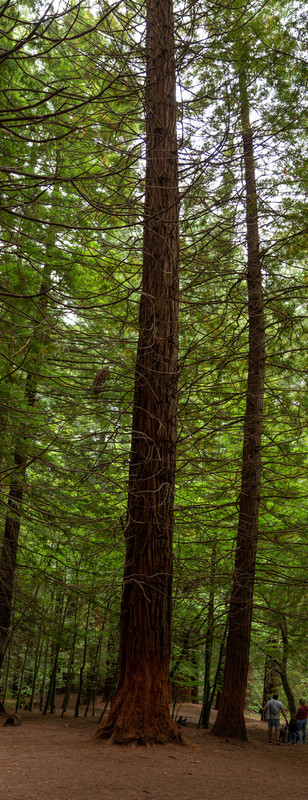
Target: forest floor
49 758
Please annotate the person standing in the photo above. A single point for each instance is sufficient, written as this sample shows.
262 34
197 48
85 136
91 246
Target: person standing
273 709
302 716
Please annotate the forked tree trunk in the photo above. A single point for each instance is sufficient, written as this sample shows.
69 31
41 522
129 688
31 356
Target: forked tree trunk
230 718
140 710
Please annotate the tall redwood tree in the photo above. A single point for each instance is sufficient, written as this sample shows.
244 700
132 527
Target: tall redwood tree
9 548
230 718
140 710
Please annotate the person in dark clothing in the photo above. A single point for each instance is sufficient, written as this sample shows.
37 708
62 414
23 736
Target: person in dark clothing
301 716
293 730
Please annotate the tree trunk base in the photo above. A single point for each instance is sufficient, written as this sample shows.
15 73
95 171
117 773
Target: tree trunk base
138 733
235 728
130 724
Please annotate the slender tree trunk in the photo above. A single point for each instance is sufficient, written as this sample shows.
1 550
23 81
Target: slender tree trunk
50 699
69 681
7 672
283 665
271 679
60 614
43 683
22 677
70 667
140 710
81 671
38 655
93 678
219 671
230 718
206 708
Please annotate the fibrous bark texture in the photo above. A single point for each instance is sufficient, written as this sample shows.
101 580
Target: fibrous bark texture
140 711
8 555
230 718
9 548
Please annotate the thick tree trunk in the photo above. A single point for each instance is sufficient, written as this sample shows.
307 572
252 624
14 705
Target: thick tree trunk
9 548
230 718
140 710
11 531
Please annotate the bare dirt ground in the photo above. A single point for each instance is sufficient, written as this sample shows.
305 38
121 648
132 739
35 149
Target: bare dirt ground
49 758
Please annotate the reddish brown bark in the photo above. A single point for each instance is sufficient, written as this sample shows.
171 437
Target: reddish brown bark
140 709
9 548
230 718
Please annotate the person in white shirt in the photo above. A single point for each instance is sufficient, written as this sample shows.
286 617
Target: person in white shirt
273 709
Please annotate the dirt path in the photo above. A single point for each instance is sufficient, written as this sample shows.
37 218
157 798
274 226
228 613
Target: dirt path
48 758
